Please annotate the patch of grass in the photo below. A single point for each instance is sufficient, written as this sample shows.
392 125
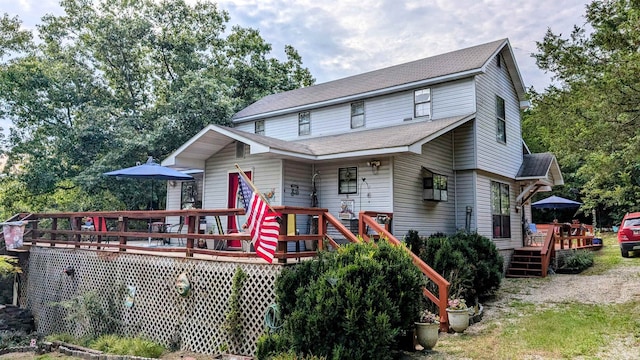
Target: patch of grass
114 344
564 331
608 257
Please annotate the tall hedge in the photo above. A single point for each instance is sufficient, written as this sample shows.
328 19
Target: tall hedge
351 303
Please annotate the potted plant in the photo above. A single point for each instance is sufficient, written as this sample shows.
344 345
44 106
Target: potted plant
458 314
427 328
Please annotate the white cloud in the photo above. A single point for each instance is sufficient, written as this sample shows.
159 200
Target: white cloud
347 37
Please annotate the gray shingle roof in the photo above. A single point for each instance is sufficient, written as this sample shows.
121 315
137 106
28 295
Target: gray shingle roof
380 138
535 165
455 62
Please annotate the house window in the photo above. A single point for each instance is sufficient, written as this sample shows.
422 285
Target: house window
348 180
499 61
500 210
501 123
357 114
434 186
259 127
304 123
422 103
240 150
189 195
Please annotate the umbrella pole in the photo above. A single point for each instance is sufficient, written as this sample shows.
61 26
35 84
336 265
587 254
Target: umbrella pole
151 208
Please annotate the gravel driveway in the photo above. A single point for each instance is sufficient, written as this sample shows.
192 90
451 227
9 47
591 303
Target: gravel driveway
619 285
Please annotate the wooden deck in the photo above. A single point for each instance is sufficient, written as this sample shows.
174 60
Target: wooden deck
533 260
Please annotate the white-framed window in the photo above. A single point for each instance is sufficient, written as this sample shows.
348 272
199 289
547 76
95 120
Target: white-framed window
500 213
304 123
259 127
422 103
501 121
357 114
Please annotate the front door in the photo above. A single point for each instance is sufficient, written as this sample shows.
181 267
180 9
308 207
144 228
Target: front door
234 223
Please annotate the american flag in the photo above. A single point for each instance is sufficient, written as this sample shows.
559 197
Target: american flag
261 221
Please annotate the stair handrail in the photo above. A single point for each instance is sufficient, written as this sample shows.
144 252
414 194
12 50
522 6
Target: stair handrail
548 250
441 301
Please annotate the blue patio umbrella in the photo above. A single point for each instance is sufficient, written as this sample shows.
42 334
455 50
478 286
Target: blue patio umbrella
555 202
150 170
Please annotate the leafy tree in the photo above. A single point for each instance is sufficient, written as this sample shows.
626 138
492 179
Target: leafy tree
590 120
111 82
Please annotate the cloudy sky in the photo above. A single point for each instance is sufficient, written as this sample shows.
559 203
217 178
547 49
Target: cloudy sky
338 38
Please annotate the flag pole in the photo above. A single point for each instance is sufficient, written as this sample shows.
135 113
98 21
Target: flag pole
253 187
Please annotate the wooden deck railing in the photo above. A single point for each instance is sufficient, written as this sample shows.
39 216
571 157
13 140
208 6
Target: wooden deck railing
65 229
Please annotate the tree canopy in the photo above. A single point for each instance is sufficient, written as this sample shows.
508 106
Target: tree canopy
111 82
590 120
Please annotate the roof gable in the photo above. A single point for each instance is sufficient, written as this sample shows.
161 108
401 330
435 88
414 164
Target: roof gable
453 65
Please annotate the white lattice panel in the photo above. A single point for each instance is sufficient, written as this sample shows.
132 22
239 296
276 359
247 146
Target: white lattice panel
159 312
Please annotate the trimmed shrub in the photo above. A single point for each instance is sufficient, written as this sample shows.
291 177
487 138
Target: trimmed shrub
350 303
577 260
470 262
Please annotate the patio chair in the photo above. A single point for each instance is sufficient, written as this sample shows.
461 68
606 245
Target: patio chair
176 229
535 237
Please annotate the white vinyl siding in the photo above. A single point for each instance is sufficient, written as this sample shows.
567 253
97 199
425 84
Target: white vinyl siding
376 196
465 197
299 175
410 212
493 156
465 146
448 99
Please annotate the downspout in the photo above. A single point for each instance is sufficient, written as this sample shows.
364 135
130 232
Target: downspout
455 178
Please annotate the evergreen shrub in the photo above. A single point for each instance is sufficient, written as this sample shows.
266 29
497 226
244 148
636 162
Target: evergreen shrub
469 261
351 303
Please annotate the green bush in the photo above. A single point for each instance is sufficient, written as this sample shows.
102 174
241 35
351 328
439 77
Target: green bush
350 303
270 345
577 260
470 262
14 338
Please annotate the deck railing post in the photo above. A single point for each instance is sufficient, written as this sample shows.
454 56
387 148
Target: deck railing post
123 225
191 229
321 231
54 226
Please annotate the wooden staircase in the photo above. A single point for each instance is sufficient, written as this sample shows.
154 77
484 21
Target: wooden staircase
526 262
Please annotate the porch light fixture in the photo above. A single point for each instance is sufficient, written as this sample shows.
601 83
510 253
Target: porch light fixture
374 165
295 189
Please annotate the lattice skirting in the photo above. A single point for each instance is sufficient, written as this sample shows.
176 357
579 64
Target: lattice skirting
159 313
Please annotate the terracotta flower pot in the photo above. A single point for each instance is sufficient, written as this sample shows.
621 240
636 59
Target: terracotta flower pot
427 334
458 319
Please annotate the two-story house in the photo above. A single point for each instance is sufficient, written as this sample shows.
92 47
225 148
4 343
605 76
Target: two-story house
437 142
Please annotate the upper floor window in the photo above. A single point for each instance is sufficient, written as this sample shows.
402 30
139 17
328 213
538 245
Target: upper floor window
500 213
357 114
499 61
259 127
304 123
422 103
501 123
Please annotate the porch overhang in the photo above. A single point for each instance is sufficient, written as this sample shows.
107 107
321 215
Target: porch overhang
538 173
